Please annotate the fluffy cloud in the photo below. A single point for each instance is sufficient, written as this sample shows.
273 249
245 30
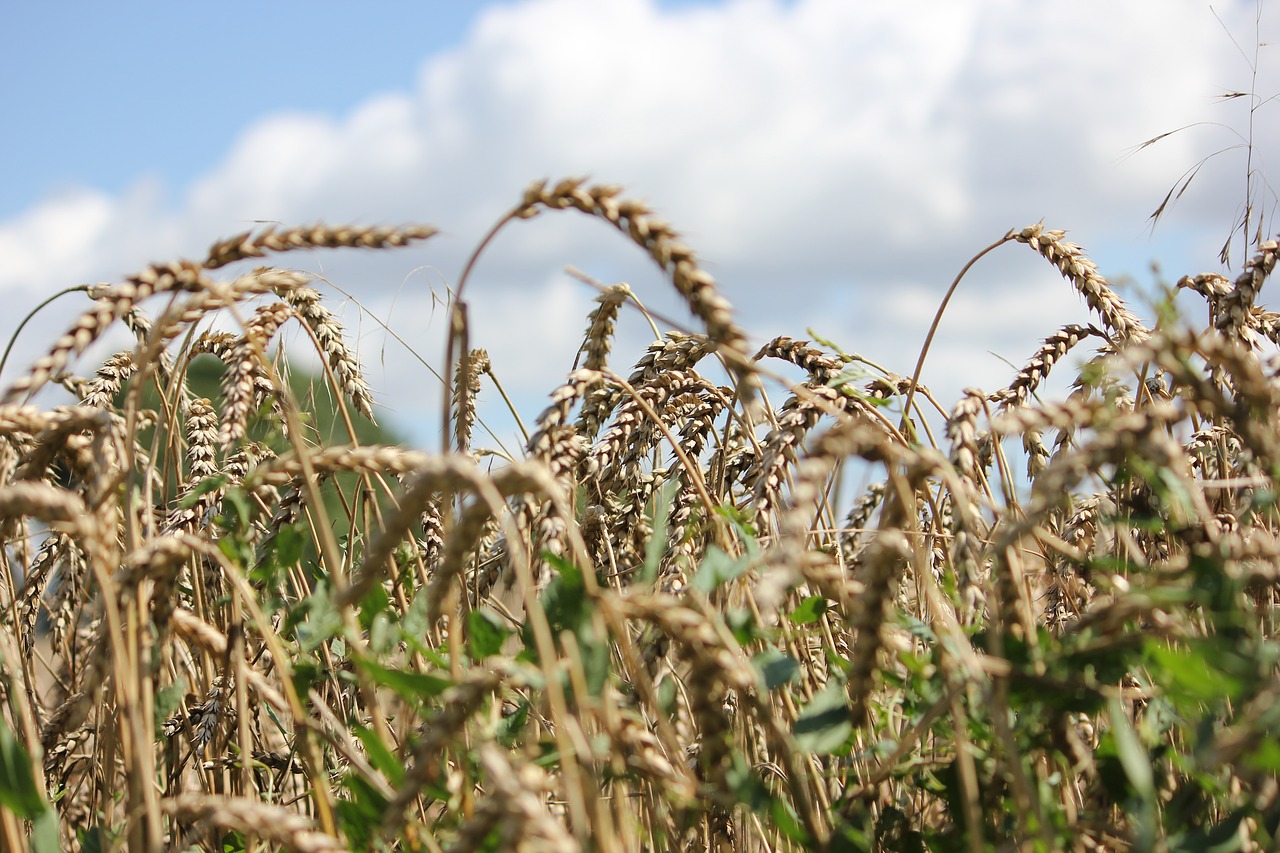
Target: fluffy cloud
835 163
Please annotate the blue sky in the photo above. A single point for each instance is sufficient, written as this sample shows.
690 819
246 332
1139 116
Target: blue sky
835 163
105 93
102 94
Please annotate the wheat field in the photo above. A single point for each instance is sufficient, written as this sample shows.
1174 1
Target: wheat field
834 614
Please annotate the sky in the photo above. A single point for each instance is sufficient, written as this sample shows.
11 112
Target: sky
835 164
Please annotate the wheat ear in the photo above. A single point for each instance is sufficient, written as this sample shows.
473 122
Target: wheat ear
112 304
1083 273
661 241
276 239
254 818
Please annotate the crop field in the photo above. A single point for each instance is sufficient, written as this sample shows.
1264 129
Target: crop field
724 599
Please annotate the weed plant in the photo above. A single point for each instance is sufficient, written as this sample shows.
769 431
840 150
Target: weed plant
1050 626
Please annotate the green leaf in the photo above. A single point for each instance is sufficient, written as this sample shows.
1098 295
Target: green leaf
567 608
718 568
375 602
809 611
657 544
1265 758
44 833
486 632
92 840
745 783
322 622
597 655
775 668
204 487
362 813
742 623
1133 757
306 672
379 756
382 634
18 791
167 701
414 626
786 822
823 726
288 544
1191 673
236 549
741 523
414 686
565 599
236 511
509 727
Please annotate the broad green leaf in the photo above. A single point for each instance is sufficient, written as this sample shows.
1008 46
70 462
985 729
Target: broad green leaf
288 544
415 626
306 672
808 611
786 822
204 487
236 511
1265 758
718 568
235 549
167 700
1192 673
414 686
742 525
44 833
565 599
486 632
379 756
375 602
823 726
362 813
92 840
775 668
742 623
597 656
322 622
1133 758
18 791
509 727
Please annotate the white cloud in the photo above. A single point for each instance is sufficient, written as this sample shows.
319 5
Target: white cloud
835 163
64 230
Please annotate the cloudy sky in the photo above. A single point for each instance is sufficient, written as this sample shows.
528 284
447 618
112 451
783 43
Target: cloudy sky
835 163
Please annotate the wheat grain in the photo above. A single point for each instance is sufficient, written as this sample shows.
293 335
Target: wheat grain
277 239
822 368
800 414
342 361
661 242
466 386
631 432
1234 308
111 304
600 326
239 384
1083 273
1037 369
101 392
